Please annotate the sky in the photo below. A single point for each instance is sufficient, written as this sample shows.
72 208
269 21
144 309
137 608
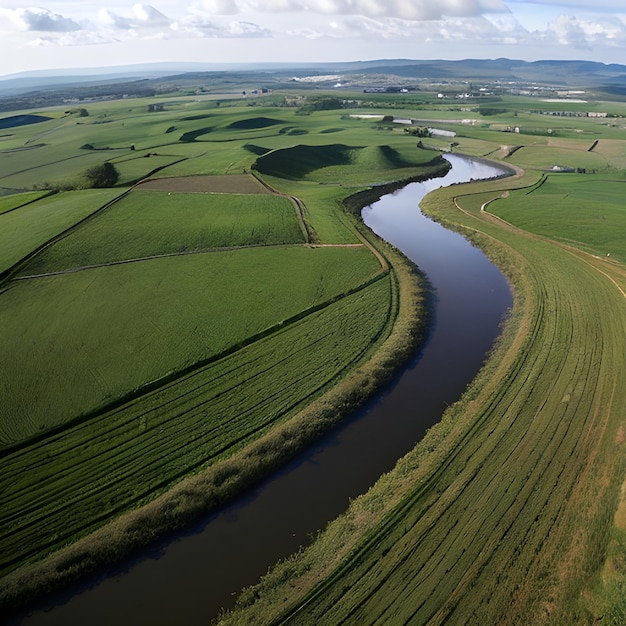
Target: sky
62 34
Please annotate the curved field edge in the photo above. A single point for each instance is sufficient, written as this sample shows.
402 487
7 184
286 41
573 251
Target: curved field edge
503 512
196 495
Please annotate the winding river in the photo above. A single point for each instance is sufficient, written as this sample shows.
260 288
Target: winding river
187 580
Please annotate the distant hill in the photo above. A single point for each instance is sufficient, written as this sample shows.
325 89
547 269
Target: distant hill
47 88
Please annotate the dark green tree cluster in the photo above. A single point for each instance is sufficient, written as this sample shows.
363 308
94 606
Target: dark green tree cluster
80 111
324 103
487 111
103 175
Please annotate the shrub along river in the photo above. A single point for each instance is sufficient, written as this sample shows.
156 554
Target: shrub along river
188 579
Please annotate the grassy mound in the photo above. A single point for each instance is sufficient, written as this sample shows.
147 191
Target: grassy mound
192 135
300 161
258 150
341 163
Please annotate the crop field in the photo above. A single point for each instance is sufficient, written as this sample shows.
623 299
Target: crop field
33 225
223 405
197 328
154 318
231 183
584 211
147 224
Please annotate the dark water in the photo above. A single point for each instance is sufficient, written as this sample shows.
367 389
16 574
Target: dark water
186 580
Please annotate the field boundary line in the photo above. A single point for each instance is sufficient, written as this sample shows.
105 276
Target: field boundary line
7 274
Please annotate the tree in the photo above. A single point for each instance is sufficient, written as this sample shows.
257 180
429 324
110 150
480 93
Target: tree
103 175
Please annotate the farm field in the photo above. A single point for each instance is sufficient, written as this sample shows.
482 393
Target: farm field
30 226
149 224
201 329
573 209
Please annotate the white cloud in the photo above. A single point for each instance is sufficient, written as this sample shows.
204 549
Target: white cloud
575 5
215 7
147 15
142 16
41 20
78 38
411 10
198 26
110 19
570 31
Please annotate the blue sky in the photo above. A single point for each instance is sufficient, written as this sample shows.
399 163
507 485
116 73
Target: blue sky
60 34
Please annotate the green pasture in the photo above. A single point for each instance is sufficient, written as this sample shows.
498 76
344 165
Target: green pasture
147 223
323 208
25 229
14 201
586 211
108 331
141 165
546 157
613 151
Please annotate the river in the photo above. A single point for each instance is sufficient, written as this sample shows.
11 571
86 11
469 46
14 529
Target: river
188 579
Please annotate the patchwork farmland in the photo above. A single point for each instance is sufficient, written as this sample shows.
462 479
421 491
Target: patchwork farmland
171 339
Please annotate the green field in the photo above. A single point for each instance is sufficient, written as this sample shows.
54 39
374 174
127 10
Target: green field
146 224
133 452
154 318
15 201
184 344
574 209
33 225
